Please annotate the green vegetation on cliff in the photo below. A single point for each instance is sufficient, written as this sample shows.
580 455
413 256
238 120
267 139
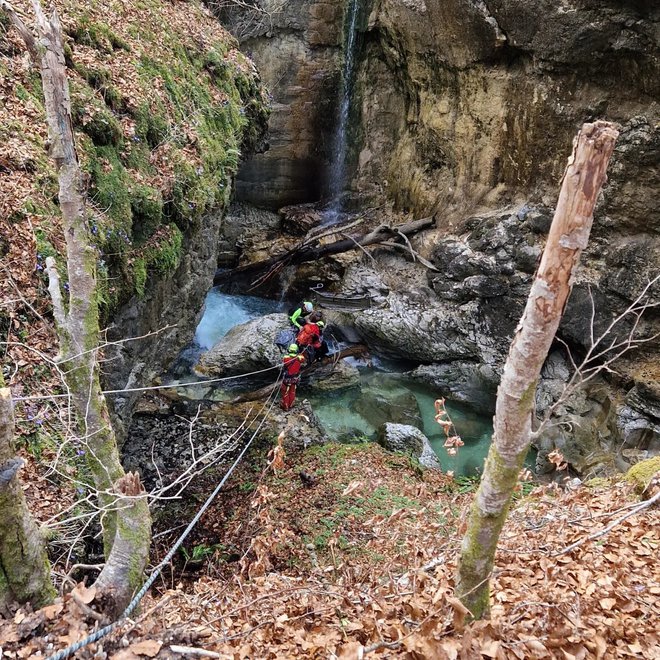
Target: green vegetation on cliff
163 103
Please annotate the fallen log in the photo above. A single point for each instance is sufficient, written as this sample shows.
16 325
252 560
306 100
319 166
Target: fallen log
312 250
359 350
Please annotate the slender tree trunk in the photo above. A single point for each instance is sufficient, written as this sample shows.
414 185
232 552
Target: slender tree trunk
130 550
24 567
78 323
77 327
568 236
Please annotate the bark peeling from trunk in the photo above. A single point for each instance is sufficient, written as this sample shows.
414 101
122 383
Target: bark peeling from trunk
130 550
569 235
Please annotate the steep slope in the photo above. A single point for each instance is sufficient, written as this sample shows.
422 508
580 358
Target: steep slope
358 560
164 105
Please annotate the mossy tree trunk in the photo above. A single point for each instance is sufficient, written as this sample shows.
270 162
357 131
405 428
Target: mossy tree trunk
568 236
130 548
77 321
24 567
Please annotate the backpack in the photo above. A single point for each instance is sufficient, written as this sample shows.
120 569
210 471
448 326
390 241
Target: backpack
284 339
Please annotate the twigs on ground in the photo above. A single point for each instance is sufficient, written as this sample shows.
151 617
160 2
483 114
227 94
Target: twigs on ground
596 535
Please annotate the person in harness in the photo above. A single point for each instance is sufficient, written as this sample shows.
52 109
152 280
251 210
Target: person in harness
323 349
292 364
297 314
310 340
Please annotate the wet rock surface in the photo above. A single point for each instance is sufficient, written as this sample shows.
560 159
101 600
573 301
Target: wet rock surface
331 377
471 383
408 440
169 434
243 227
246 347
379 407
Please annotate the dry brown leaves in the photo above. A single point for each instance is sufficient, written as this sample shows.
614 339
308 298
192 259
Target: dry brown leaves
599 601
366 592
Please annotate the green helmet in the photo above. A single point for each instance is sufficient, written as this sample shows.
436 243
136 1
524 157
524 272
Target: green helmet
321 324
293 349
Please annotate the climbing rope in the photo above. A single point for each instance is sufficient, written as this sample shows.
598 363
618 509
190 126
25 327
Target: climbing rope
151 387
103 632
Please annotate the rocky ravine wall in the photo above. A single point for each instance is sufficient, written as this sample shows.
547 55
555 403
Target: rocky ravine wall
295 47
467 102
163 103
468 106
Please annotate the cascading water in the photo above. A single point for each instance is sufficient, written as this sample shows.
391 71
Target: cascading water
340 141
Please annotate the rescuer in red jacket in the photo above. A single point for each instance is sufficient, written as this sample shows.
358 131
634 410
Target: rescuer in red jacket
309 337
292 364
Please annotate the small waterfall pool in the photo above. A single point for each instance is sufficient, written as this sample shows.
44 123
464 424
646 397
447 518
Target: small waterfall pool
221 313
382 394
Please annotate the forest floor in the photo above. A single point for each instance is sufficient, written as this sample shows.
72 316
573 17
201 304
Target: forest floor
357 558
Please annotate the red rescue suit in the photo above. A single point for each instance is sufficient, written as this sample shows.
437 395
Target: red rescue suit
310 335
292 365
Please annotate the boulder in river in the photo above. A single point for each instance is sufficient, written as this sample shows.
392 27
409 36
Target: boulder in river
471 383
246 347
331 377
381 405
409 440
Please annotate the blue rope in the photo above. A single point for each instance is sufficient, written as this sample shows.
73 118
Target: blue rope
102 632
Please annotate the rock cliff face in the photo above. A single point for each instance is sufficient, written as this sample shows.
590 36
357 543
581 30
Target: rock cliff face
295 47
465 106
460 102
467 102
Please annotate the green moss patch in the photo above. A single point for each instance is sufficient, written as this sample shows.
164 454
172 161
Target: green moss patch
641 474
161 255
98 35
162 104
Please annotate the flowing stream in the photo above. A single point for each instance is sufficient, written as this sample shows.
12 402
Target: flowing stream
340 141
383 393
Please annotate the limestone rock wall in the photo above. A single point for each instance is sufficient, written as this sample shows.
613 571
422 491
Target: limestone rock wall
295 47
464 107
465 103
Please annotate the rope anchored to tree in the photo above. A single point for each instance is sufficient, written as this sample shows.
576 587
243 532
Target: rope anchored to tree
103 632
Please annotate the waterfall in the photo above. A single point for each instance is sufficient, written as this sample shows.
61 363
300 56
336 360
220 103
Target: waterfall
340 140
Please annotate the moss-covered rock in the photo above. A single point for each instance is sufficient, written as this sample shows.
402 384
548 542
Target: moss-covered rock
641 474
163 102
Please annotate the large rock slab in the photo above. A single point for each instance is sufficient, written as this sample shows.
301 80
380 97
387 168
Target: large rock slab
331 377
245 348
409 440
379 406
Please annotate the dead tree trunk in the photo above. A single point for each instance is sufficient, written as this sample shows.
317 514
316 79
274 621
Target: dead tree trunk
313 251
78 323
24 567
130 548
568 236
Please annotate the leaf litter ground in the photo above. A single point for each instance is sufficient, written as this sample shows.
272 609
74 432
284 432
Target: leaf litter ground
350 551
